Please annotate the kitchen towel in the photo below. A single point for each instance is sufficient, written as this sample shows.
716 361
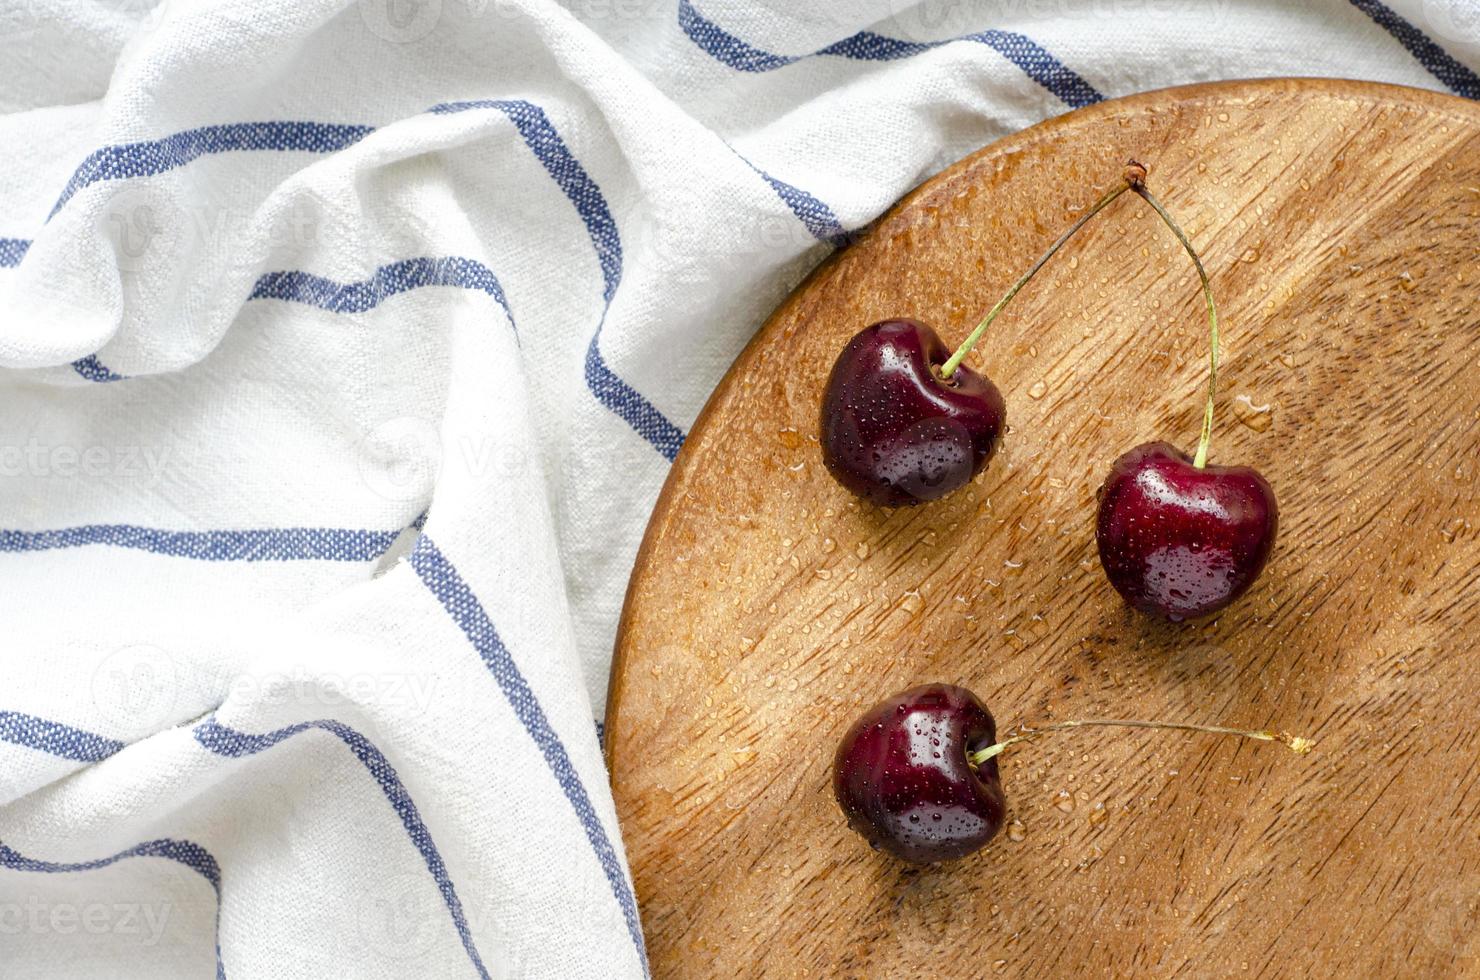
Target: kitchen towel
344 347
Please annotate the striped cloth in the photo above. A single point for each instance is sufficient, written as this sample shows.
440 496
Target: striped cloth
344 347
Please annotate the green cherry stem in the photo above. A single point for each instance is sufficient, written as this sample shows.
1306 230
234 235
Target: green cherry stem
1134 175
1201 459
1297 744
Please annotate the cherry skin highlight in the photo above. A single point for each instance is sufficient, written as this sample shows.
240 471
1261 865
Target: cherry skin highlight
903 779
895 432
1179 541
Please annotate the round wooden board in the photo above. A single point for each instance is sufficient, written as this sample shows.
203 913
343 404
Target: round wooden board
768 608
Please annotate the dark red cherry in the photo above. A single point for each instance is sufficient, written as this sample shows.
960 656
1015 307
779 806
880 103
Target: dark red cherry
903 780
893 431
1181 542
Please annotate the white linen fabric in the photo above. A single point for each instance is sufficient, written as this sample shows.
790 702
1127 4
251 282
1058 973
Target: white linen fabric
344 347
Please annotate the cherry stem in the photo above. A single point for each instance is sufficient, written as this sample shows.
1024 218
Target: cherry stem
1297 744
1201 459
1134 174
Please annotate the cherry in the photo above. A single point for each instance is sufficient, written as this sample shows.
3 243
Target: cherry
902 422
917 775
1178 538
905 781
1179 541
893 430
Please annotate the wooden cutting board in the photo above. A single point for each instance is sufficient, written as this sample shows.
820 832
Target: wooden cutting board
1341 224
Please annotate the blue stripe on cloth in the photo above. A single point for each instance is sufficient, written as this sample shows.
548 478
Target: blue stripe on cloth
55 738
1459 78
543 139
354 297
385 282
182 852
148 157
1039 65
725 47
260 544
95 370
868 46
217 738
463 606
1029 56
629 405
166 153
12 250
545 142
818 218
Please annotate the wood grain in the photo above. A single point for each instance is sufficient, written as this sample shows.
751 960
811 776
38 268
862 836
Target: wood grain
768 608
